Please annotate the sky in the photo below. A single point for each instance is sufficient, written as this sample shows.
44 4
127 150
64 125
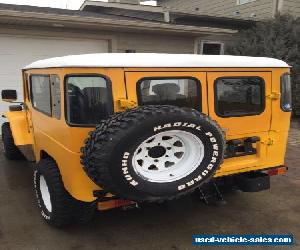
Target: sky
63 4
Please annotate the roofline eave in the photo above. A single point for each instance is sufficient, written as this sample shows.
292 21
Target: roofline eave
94 22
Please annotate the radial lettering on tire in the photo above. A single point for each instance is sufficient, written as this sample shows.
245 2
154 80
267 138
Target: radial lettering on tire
153 153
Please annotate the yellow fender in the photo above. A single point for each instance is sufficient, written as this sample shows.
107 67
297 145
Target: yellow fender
23 138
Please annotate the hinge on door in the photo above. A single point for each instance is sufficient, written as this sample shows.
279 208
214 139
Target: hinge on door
274 96
126 104
268 142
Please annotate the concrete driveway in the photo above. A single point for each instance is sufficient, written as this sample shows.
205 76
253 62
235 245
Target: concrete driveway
169 226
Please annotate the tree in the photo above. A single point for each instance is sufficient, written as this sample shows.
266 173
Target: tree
278 38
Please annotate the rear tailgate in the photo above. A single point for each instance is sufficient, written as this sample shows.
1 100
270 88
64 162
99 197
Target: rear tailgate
238 102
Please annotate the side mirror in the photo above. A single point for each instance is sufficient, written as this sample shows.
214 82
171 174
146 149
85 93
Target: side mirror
9 95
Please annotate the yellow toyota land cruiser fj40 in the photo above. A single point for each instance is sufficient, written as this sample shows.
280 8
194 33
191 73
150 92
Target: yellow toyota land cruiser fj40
111 130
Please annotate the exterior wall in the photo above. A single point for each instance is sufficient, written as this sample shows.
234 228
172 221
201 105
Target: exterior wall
262 9
125 1
121 41
291 7
148 43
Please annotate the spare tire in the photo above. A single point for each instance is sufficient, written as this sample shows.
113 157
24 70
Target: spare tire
153 153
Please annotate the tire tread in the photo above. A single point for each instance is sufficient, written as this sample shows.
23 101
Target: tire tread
99 143
11 151
67 210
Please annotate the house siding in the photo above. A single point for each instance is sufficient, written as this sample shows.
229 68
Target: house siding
125 1
147 43
291 7
122 41
263 9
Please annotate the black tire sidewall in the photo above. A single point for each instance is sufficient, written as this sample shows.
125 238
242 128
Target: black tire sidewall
149 190
65 209
11 151
5 139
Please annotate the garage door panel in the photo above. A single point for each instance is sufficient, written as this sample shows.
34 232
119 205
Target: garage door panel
39 44
18 51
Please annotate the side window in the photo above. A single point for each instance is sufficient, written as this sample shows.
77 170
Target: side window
240 2
239 96
211 48
182 92
56 98
40 93
286 93
88 99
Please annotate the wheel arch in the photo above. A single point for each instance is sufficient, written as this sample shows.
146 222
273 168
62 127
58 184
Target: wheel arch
23 138
19 127
43 155
71 173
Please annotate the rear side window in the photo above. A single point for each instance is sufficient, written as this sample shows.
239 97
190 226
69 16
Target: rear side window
182 92
286 93
239 96
40 93
88 99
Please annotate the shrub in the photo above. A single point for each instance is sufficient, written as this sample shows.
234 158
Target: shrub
278 38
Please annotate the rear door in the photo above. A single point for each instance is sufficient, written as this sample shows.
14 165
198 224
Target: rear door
184 89
239 102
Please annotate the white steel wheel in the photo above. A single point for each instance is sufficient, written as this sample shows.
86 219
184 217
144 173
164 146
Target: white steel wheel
168 156
45 194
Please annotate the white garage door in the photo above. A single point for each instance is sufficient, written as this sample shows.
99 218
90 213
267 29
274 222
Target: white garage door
17 51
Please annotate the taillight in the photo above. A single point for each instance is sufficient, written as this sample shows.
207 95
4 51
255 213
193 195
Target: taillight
277 171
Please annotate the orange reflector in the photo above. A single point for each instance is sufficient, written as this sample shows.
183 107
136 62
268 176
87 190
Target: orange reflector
277 171
282 170
106 205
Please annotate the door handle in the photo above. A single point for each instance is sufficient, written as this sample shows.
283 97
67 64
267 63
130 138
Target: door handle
274 96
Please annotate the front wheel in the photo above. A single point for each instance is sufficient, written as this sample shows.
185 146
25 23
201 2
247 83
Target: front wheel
57 206
11 151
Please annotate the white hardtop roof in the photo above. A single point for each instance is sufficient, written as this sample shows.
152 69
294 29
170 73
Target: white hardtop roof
146 60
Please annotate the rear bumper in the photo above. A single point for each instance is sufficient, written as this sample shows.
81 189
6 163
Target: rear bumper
252 181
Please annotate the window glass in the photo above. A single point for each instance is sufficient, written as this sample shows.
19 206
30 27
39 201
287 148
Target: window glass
239 96
286 93
182 92
88 99
245 1
55 93
210 48
40 93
